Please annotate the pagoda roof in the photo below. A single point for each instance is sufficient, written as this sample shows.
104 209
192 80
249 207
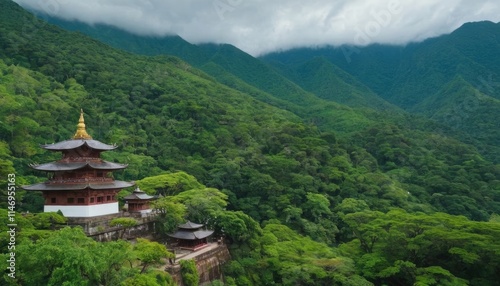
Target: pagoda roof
190 225
138 194
78 186
191 235
75 143
69 166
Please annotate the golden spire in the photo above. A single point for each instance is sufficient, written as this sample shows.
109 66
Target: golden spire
81 133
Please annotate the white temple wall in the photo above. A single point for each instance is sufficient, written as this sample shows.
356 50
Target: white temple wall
84 211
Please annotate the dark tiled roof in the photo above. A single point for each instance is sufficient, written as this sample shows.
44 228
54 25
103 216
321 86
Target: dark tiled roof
78 186
61 166
75 143
138 197
190 225
191 235
138 194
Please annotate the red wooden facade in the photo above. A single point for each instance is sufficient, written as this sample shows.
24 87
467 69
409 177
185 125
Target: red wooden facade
191 236
138 201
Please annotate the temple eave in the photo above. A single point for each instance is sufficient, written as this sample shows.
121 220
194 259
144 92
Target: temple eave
190 225
63 166
77 186
75 143
187 235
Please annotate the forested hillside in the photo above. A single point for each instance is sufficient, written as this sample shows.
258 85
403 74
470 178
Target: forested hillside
239 70
309 190
359 77
424 78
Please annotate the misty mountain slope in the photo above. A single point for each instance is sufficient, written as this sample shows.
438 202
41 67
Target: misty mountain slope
235 82
238 70
329 82
462 106
407 75
228 57
412 76
433 64
328 116
258 74
375 65
231 59
143 45
482 44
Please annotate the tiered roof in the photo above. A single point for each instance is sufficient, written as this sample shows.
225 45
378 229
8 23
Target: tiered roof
48 186
70 166
191 231
138 194
75 143
80 139
190 225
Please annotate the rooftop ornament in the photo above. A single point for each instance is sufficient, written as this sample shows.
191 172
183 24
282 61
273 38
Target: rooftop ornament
81 133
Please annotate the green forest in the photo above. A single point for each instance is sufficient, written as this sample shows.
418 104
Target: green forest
311 185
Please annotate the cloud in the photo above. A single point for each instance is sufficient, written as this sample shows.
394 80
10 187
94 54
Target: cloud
258 26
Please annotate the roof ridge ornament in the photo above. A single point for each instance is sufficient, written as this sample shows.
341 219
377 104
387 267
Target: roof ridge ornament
81 133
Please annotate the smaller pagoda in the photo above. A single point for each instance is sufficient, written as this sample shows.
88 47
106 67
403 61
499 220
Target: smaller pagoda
138 202
191 236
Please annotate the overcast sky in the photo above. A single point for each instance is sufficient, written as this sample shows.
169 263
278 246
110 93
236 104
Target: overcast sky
259 26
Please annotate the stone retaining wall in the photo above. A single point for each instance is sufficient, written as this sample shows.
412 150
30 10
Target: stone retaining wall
208 264
99 229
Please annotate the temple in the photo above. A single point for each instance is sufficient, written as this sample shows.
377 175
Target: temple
138 202
190 236
80 184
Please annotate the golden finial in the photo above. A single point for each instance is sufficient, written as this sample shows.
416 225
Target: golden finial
81 133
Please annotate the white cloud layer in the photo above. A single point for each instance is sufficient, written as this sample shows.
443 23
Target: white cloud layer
258 26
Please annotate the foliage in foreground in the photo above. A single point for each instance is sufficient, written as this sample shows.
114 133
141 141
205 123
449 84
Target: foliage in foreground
189 273
69 257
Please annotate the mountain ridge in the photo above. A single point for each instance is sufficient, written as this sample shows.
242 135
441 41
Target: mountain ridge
407 76
224 55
